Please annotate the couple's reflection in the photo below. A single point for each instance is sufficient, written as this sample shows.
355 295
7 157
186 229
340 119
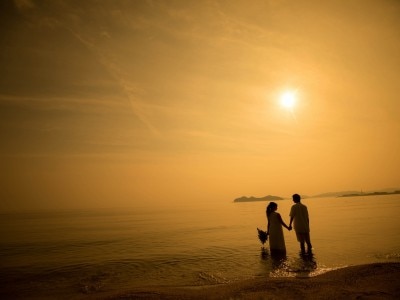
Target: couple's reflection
276 261
305 264
280 265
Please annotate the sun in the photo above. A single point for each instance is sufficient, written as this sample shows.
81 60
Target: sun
288 99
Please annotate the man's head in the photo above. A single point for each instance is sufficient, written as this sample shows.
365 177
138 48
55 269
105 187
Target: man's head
296 198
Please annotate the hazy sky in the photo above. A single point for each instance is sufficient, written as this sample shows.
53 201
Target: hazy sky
123 102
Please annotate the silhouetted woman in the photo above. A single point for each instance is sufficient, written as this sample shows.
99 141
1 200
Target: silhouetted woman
274 229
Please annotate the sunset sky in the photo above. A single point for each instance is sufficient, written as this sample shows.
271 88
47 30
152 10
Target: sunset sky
129 103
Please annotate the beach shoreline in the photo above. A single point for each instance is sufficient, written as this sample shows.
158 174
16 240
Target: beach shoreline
370 281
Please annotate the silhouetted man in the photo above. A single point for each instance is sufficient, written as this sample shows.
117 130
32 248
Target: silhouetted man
299 214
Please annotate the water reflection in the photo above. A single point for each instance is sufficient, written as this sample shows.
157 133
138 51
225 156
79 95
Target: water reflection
279 265
264 253
304 265
276 262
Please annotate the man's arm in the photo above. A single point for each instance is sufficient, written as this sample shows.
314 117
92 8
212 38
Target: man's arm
291 214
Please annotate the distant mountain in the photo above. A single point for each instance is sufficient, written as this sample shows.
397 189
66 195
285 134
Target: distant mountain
357 193
387 190
372 194
334 194
252 199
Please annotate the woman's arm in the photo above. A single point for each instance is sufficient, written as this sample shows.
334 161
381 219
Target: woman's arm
283 223
290 224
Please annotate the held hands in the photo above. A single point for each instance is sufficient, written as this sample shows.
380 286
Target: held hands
290 227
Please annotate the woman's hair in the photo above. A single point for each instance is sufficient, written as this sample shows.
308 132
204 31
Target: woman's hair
271 206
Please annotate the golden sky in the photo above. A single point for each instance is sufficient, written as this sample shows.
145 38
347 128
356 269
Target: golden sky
119 103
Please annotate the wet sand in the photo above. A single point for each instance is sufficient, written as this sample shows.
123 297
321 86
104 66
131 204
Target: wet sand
372 281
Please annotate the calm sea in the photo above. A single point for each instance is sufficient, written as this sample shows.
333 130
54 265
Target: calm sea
78 254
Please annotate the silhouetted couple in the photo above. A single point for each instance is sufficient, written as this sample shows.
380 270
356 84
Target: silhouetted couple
300 220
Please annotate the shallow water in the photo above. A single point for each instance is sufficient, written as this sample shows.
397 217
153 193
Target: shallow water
76 253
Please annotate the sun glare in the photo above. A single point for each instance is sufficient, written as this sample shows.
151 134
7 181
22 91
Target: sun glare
288 99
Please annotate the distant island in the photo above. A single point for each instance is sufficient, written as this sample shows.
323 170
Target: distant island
252 199
354 193
370 194
348 193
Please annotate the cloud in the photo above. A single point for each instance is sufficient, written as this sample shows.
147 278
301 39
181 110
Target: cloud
88 24
129 89
24 4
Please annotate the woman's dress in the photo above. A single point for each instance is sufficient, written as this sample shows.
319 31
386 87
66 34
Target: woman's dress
276 238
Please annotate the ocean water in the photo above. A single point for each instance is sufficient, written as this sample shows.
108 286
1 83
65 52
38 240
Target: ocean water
94 253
